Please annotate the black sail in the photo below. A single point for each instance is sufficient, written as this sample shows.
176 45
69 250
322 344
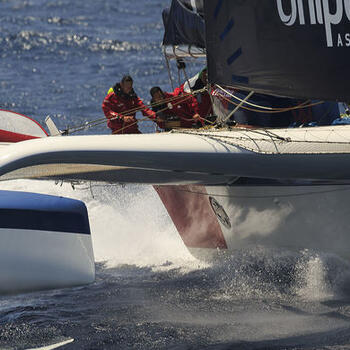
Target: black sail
193 5
183 23
297 48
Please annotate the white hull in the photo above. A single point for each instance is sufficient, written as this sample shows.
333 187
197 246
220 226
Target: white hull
280 212
298 217
185 157
34 260
314 217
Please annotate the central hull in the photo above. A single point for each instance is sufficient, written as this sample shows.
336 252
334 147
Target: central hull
274 214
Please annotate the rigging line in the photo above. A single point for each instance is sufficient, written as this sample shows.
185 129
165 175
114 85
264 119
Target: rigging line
267 132
281 110
239 99
322 142
241 130
83 127
146 118
255 105
264 140
220 138
261 131
185 96
273 141
337 143
264 196
178 99
242 143
254 141
128 126
169 70
238 107
287 109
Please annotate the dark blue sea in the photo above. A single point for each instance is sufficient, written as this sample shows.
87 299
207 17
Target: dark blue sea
59 58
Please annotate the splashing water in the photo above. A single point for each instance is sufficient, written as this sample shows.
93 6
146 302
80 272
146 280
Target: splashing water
129 224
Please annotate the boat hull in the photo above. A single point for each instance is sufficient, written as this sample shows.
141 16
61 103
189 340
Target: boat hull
288 215
45 242
36 260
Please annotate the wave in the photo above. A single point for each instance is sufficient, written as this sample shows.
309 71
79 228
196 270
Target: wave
266 273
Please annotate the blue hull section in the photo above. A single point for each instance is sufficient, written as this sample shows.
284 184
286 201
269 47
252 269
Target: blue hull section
32 211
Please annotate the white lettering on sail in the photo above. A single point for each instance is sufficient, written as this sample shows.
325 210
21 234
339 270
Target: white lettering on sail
330 19
347 39
319 12
340 41
288 20
347 8
301 12
312 12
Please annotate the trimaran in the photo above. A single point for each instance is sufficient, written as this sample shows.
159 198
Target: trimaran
225 188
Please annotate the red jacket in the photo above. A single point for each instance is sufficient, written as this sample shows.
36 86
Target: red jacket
117 105
205 106
184 107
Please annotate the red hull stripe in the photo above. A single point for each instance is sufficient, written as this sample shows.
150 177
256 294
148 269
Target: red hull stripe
9 136
191 212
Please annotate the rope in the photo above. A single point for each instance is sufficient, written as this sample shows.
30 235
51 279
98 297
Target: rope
282 110
165 109
169 71
236 141
263 132
238 107
270 109
176 99
182 98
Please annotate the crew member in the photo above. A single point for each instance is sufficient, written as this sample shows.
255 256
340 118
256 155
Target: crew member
184 107
120 107
198 82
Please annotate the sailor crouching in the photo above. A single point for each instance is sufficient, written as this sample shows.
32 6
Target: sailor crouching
172 107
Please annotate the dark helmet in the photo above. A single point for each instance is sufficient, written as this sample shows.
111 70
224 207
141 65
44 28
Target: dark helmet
126 78
154 90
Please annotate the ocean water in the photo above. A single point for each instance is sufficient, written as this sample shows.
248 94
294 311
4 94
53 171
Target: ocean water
59 58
